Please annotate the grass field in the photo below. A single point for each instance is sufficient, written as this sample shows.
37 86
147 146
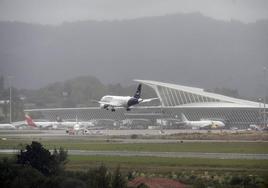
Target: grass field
79 161
166 165
219 147
187 170
157 164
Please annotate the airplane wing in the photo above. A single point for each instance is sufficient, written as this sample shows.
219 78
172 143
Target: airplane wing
149 100
114 104
106 103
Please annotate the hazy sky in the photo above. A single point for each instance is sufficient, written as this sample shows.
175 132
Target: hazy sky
58 11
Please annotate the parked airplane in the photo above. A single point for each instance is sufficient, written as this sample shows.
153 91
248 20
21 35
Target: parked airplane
13 125
7 126
123 101
202 123
40 124
77 128
256 127
66 124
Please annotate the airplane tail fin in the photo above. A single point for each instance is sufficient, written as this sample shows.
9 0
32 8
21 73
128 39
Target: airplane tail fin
29 121
137 95
183 118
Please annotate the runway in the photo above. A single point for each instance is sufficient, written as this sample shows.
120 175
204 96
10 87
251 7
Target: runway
105 132
159 154
61 134
147 136
125 136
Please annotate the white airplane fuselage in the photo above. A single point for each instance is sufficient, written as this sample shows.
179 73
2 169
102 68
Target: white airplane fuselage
202 123
205 123
57 125
123 101
7 126
118 101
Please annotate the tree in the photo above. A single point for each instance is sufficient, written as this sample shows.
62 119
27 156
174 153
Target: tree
100 178
36 156
72 183
60 159
118 181
12 175
7 173
27 177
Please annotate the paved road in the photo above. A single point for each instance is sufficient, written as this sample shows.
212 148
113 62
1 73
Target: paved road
159 154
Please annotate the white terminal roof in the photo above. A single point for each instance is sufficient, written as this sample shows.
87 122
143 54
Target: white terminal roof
215 100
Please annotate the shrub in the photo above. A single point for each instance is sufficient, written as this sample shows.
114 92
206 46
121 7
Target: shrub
118 181
72 183
36 156
99 177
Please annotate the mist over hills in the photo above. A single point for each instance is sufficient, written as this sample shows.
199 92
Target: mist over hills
187 49
78 92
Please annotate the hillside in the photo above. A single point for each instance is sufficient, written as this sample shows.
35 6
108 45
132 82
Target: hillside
79 92
187 49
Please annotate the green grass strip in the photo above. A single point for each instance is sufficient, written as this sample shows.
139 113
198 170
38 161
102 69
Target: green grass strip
218 147
159 161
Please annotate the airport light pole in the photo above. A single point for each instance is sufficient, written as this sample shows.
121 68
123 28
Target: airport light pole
264 98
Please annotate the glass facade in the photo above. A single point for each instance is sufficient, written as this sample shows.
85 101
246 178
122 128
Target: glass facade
175 97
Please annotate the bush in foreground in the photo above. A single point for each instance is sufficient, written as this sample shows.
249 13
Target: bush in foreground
36 156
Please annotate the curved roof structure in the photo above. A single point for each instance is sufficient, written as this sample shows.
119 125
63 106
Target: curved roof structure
184 96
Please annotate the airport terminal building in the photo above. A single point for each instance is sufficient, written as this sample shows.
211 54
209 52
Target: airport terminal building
194 103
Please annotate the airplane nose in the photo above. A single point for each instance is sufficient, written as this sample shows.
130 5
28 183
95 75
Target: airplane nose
103 105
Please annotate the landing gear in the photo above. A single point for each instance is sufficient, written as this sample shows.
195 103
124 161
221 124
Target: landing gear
128 109
113 110
106 107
